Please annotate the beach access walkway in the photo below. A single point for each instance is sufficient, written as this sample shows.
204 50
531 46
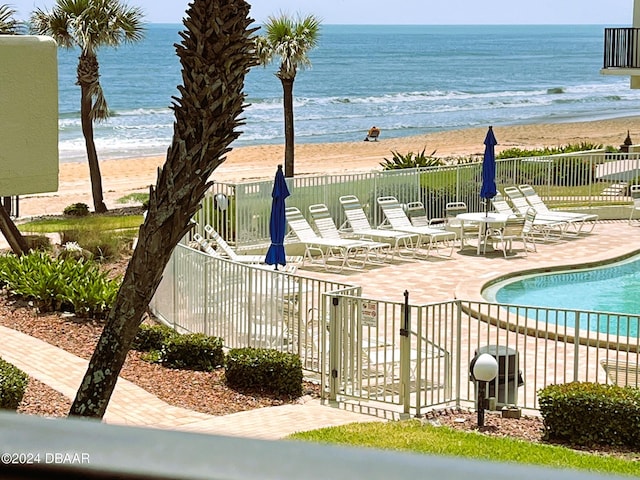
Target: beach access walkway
434 279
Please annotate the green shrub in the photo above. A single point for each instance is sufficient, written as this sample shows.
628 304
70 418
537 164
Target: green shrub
142 198
591 414
194 351
268 371
59 284
77 210
13 383
37 242
411 160
101 244
516 152
152 337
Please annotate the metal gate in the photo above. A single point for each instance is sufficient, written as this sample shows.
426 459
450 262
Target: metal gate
380 351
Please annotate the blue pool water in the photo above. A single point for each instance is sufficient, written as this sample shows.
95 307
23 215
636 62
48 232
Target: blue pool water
614 288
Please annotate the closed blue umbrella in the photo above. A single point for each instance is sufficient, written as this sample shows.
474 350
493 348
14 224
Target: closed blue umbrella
489 189
277 222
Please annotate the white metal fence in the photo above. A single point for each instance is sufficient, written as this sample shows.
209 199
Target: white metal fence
397 354
587 180
245 305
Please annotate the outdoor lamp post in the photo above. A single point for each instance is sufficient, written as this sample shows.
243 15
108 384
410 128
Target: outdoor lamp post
484 368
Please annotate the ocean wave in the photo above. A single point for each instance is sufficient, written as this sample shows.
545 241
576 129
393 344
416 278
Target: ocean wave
141 112
555 90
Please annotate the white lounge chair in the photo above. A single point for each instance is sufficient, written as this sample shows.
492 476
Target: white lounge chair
521 205
326 227
225 250
615 189
399 221
378 373
622 373
578 220
403 244
346 253
545 229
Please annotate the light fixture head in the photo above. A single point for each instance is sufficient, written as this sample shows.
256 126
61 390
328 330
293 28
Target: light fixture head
484 367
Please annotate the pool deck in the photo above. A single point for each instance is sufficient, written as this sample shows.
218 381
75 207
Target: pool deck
463 275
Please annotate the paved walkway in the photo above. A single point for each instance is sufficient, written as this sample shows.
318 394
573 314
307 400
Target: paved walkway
131 405
435 279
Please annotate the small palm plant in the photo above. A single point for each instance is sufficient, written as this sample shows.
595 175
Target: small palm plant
8 24
411 160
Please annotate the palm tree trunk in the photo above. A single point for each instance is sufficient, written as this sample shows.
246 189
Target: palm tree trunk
89 64
15 239
214 64
289 148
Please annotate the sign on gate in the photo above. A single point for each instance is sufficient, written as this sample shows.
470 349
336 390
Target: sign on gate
369 313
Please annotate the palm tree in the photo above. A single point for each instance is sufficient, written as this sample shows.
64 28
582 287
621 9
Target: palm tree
8 24
216 53
89 25
291 40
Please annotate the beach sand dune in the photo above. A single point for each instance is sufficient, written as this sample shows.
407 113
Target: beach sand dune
124 176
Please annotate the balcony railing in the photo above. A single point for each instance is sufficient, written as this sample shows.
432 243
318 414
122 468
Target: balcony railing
621 48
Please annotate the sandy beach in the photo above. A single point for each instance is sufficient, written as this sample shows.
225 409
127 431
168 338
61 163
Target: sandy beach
125 176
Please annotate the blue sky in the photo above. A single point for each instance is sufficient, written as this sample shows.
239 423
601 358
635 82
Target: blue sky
609 12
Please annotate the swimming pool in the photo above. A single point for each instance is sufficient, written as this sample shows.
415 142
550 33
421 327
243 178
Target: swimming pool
609 288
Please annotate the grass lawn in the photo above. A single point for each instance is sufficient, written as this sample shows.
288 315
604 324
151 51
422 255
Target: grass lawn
413 436
92 222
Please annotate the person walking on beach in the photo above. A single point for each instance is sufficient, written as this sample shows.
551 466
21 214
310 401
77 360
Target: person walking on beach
373 133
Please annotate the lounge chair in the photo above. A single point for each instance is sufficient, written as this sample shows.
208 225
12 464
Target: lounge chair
622 373
578 220
400 222
372 134
615 189
521 205
225 250
403 244
635 193
516 228
327 229
546 229
374 362
344 252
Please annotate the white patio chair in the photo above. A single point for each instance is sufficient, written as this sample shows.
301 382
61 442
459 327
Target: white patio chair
635 193
326 227
344 252
576 220
399 221
516 228
464 230
403 244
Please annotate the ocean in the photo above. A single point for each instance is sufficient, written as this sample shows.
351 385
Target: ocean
407 80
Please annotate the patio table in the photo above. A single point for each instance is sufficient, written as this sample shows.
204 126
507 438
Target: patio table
485 219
